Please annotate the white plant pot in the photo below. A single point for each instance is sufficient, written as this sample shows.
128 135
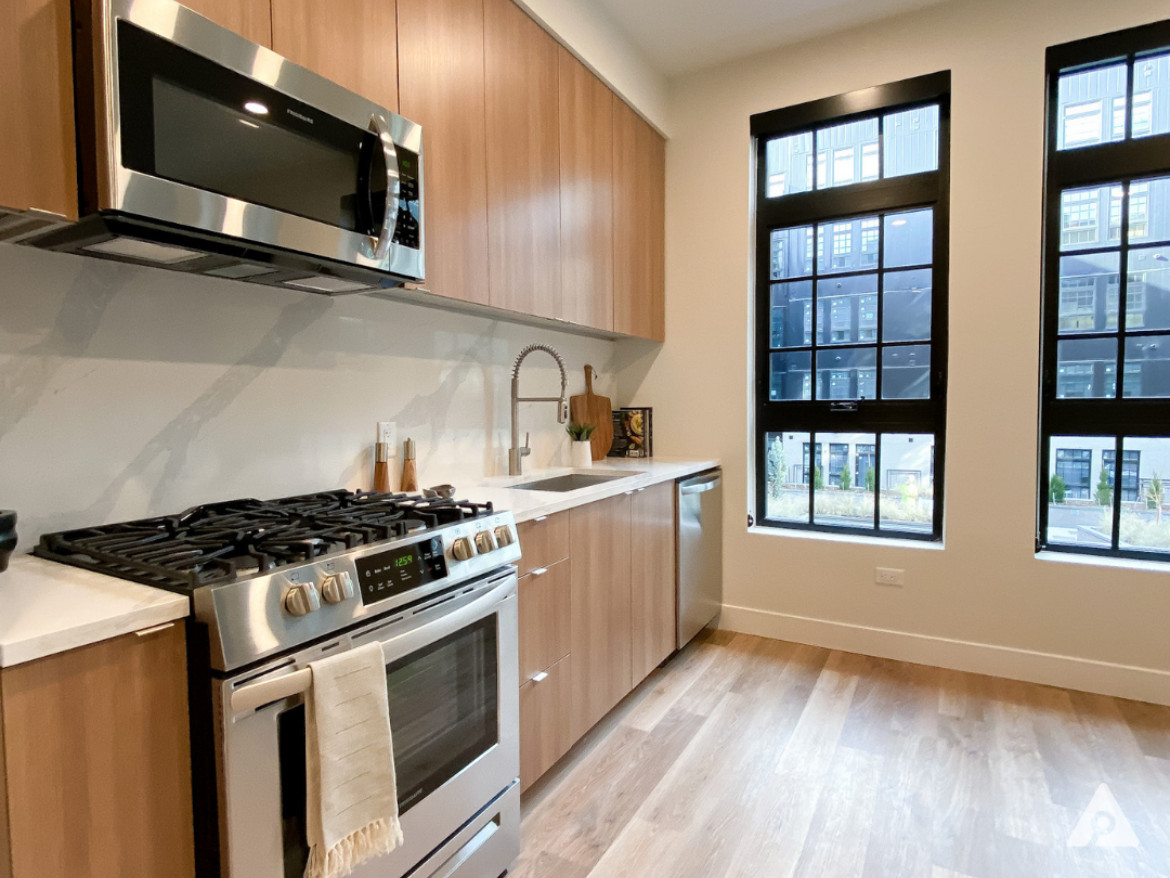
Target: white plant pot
581 453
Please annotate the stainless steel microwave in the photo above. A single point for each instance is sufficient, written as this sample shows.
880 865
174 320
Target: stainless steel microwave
203 152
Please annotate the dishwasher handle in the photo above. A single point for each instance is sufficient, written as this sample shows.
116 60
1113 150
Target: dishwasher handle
700 487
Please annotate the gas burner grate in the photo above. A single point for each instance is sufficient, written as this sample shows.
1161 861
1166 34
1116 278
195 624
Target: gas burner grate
221 542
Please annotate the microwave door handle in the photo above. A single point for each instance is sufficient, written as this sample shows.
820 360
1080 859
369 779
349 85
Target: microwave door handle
381 244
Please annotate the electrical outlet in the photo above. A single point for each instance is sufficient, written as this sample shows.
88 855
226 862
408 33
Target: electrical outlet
388 433
889 575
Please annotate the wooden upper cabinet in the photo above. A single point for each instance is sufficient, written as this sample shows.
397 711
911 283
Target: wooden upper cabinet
652 577
38 160
521 63
441 87
586 124
251 19
639 162
352 42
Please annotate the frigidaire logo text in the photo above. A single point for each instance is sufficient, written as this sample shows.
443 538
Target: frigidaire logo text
300 116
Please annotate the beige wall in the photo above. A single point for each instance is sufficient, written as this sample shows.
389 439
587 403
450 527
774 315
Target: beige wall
985 587
592 36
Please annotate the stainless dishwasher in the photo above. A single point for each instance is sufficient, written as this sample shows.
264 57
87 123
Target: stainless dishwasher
700 552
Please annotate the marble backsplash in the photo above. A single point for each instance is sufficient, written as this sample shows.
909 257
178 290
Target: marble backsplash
127 392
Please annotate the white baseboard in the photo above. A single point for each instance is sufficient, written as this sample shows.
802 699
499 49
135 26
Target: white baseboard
1068 672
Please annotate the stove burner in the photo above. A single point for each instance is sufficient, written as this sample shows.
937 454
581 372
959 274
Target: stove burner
222 542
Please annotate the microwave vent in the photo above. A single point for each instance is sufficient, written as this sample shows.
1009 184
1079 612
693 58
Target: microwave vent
239 271
330 285
146 251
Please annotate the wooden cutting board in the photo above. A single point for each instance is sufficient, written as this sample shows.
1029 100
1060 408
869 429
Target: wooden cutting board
589 408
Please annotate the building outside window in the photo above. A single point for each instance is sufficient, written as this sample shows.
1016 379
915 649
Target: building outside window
1105 385
851 328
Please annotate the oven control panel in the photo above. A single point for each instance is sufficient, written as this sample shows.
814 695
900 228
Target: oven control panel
401 569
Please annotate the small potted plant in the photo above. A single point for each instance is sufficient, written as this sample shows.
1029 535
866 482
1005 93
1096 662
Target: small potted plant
581 451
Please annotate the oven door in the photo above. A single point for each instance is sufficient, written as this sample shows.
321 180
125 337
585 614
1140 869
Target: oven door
451 672
204 130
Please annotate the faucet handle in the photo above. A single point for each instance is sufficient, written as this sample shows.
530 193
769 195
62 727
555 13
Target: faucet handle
525 451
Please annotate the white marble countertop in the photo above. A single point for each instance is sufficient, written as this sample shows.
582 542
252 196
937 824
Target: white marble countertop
47 607
526 505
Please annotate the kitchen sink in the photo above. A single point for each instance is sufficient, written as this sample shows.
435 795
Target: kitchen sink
572 481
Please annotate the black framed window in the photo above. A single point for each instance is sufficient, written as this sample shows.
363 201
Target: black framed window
852 225
1105 349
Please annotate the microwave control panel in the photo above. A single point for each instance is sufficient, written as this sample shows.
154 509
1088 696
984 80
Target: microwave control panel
409 225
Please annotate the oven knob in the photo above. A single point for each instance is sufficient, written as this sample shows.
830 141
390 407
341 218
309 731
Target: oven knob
484 542
504 535
462 549
336 587
302 599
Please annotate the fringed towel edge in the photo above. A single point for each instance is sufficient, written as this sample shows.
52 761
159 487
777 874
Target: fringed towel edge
380 837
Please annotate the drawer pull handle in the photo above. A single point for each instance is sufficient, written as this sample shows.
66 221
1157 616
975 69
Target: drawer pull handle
540 518
146 632
540 676
539 571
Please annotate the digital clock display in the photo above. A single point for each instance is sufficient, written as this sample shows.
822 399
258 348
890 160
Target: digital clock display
392 573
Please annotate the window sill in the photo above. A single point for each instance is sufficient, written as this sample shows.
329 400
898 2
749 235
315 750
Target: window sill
886 542
1105 561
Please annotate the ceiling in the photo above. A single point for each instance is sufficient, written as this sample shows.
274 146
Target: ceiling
678 36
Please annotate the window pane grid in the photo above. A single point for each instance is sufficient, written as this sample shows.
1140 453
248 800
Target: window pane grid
848 388
838 316
858 151
1105 428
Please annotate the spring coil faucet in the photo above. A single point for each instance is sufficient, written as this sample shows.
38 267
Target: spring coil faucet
517 453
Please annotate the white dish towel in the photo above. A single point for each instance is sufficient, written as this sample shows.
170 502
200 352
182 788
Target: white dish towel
352 801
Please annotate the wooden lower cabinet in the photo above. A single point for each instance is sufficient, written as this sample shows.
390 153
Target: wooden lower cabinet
545 732
601 646
545 603
95 752
652 578
597 615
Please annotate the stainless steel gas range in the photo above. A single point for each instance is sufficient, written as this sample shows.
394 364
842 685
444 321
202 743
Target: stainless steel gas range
275 585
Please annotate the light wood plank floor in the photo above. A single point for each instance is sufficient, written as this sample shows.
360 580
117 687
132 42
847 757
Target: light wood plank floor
751 757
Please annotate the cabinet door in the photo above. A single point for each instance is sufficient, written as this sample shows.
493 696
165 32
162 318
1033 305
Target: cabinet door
523 164
652 577
600 562
639 210
98 760
39 165
352 42
251 19
586 125
543 541
545 734
545 603
441 85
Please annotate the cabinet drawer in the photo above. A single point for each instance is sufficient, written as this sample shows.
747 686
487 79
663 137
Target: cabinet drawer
545 734
545 607
543 541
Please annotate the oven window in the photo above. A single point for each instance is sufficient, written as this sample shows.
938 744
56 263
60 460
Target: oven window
443 716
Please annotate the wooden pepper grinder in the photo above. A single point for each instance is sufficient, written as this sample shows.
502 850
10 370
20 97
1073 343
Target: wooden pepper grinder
409 471
382 466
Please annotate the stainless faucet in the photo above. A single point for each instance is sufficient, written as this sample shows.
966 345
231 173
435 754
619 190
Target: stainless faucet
516 453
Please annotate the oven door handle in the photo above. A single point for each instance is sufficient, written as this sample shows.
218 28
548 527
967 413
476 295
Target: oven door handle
255 695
